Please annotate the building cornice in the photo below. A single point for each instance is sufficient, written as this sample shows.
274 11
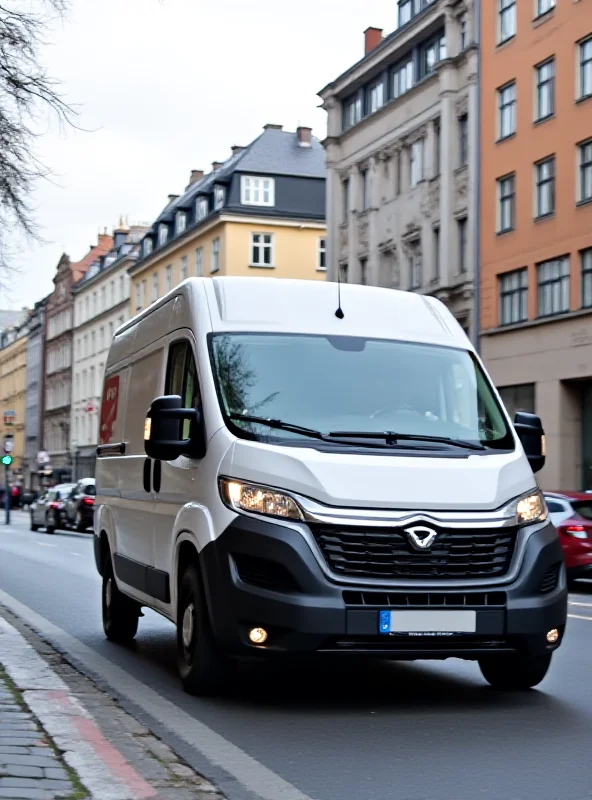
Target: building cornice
80 288
102 314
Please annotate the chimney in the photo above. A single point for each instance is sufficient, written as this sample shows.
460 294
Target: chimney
304 136
372 38
196 175
271 127
237 148
216 165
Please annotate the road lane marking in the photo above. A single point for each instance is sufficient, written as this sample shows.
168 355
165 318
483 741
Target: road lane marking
579 616
577 603
72 553
45 544
225 762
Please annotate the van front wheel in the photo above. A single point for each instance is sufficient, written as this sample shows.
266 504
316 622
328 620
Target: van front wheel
515 672
203 669
120 613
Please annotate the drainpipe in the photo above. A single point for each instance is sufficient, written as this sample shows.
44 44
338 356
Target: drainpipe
477 242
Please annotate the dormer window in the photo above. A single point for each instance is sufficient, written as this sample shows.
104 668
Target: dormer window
219 195
257 191
163 234
181 222
147 247
201 208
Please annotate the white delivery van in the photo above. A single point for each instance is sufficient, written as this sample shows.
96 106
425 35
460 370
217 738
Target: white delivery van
277 476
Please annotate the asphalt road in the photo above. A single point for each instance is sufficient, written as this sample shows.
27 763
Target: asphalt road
368 731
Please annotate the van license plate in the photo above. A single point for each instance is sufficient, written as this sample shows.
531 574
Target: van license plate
427 622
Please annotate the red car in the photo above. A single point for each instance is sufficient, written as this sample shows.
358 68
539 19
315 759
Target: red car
571 513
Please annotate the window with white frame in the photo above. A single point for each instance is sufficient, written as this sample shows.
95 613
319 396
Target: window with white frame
464 32
586 256
553 286
544 6
322 254
506 197
112 292
199 262
585 171
262 250
403 77
103 298
138 297
143 293
415 265
183 268
257 191
416 162
169 278
154 286
545 89
163 234
506 98
352 111
219 195
201 208
102 338
585 50
181 221
506 19
147 247
376 96
121 288
545 187
215 255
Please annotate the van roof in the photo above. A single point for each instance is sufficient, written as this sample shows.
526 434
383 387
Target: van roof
299 306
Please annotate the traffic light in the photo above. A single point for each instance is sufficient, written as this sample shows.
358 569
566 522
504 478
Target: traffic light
7 460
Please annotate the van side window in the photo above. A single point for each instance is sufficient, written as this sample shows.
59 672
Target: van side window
182 379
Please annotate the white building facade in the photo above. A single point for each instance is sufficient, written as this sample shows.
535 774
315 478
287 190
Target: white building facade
402 157
101 305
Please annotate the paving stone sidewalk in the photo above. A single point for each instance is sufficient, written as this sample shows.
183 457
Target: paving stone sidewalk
29 765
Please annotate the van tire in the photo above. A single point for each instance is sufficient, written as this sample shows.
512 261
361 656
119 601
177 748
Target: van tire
515 672
33 526
120 613
203 669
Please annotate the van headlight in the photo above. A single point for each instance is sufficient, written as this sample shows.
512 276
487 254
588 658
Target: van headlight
242 496
531 508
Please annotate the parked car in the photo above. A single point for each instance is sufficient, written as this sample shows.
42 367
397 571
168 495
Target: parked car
571 513
80 505
49 511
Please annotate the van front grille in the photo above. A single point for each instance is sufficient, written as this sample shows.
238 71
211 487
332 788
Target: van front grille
551 579
425 600
370 552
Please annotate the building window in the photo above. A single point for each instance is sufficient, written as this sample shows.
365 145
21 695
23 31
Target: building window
215 255
431 53
183 268
518 398
169 278
121 288
375 96
345 200
93 344
138 297
436 273
363 271
585 159
437 147
543 6
365 184
403 78
219 195
155 286
553 286
586 68
586 278
257 191
322 254
102 339
545 90
352 111
147 247
405 11
199 262
462 244
545 187
201 208
162 235
416 163
507 19
513 288
262 250
463 131
464 32
415 266
506 203
112 292
507 110
181 222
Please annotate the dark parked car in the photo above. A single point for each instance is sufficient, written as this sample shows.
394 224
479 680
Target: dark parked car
80 505
49 511
571 513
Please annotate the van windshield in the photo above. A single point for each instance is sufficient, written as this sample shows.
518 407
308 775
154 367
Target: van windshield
348 384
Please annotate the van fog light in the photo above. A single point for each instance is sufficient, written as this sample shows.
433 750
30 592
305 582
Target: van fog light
553 636
258 635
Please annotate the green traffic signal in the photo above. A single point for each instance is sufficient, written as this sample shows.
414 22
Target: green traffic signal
7 460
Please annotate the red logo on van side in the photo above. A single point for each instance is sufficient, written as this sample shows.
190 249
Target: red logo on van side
109 408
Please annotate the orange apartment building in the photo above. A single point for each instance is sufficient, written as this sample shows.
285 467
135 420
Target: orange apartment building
536 221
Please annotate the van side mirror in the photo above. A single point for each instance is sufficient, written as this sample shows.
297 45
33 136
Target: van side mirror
530 432
163 430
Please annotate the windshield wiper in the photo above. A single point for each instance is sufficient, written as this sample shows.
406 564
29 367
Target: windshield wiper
392 438
282 426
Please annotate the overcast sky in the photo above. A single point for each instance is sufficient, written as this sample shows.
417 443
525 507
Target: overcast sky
166 86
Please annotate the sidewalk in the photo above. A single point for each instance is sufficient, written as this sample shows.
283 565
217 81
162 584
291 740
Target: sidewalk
62 737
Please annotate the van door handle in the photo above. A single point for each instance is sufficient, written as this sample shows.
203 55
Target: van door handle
157 476
147 474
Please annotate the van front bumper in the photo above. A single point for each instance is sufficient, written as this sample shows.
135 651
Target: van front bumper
304 611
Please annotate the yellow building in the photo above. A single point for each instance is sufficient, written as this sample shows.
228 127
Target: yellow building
13 390
262 212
